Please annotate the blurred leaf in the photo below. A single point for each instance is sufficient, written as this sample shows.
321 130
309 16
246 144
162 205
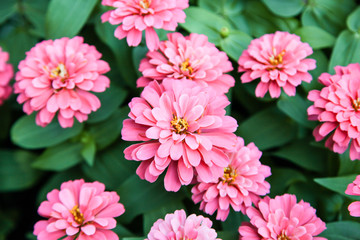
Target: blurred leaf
197 21
316 37
348 166
65 18
343 230
138 54
27 134
88 151
287 8
233 219
228 235
346 50
5 121
35 11
59 157
122 231
353 21
235 44
15 170
7 8
305 191
268 128
321 66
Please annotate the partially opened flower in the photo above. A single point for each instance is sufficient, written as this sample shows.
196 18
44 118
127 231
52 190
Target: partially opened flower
354 189
136 16
56 77
241 185
192 57
183 128
177 226
336 106
279 60
79 210
282 218
6 73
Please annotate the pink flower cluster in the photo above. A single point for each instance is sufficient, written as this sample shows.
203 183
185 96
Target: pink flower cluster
177 226
240 186
336 107
354 189
282 218
79 210
136 16
56 77
6 73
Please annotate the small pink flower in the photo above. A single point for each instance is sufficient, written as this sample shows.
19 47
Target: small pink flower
139 15
282 218
177 226
56 77
241 185
182 127
83 211
279 60
354 189
336 107
192 57
6 73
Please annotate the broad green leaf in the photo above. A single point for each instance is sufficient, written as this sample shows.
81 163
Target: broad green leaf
343 230
347 166
27 134
353 21
138 54
288 8
338 184
35 11
296 108
321 67
301 153
7 8
59 157
345 51
268 128
197 21
122 231
65 18
233 219
15 170
305 191
228 235
235 43
315 36
88 151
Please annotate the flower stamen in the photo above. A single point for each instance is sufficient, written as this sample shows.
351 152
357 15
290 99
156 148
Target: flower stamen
145 4
276 59
283 236
229 175
78 216
185 66
59 71
180 125
355 104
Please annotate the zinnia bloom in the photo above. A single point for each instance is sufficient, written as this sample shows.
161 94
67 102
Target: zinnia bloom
56 77
282 218
336 107
6 73
241 185
177 226
354 189
82 211
139 15
183 128
279 60
192 57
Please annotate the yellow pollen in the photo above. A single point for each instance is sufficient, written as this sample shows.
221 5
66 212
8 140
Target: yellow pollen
229 175
355 104
185 66
59 71
276 59
283 236
78 216
145 4
180 125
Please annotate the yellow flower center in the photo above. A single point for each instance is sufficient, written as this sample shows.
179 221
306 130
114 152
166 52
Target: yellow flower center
355 104
276 59
180 125
145 4
59 71
283 236
229 175
185 66
78 216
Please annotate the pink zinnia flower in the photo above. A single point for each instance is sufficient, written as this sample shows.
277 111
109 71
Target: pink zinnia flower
192 57
56 77
354 189
6 73
177 226
282 218
241 185
279 60
336 107
83 211
184 129
139 15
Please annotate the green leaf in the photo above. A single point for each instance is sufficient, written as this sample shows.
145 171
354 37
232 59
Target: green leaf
268 128
138 54
346 50
228 235
27 134
15 170
343 230
59 157
321 66
235 43
316 37
65 18
353 21
35 12
347 166
89 150
7 8
288 8
197 21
